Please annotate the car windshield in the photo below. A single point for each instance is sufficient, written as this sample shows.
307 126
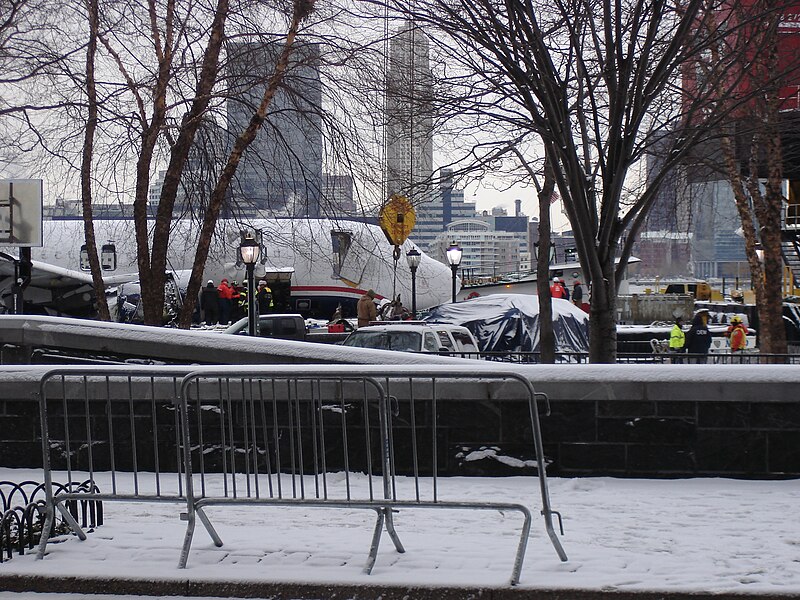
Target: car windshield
464 340
404 341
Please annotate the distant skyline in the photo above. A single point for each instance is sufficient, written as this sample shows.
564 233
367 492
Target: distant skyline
486 198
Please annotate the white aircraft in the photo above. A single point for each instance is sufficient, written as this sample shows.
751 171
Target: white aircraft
323 263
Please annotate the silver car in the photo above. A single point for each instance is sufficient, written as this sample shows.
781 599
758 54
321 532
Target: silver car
416 337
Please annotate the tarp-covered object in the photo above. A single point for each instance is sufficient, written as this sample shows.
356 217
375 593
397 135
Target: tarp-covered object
510 322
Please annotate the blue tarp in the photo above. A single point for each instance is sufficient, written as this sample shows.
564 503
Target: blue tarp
510 322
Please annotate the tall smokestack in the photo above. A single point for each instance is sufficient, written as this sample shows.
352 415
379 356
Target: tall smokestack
517 207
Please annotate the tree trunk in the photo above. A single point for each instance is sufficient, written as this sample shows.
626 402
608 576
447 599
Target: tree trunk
603 317
759 207
547 340
86 165
769 216
179 154
153 310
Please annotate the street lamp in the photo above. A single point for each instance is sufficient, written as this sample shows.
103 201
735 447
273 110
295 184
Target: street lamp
249 250
454 253
413 257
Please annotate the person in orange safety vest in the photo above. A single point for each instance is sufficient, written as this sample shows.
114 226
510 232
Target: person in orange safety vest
737 334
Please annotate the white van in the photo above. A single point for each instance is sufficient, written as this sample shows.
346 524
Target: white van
415 337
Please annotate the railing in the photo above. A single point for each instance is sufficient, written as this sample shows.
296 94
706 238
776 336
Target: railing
721 358
23 513
276 436
115 420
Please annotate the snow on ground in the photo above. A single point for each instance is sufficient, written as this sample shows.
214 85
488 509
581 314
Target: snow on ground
714 535
40 596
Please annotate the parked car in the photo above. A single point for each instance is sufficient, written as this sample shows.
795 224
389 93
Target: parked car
282 326
416 337
699 289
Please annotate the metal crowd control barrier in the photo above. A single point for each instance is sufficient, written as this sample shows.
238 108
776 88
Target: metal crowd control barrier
274 437
331 436
117 421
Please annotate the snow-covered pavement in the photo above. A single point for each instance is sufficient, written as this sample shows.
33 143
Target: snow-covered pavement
712 535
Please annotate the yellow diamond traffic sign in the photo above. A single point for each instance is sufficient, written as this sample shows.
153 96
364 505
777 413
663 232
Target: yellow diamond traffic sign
397 219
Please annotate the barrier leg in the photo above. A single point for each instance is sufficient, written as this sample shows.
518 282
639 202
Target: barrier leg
187 539
548 525
209 527
398 545
48 525
376 540
73 524
189 517
523 545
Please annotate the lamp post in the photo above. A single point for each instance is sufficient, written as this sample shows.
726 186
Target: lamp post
454 253
249 250
413 257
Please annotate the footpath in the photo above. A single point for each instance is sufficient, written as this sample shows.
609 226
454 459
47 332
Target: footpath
625 539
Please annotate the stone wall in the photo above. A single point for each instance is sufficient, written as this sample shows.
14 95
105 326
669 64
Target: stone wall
740 421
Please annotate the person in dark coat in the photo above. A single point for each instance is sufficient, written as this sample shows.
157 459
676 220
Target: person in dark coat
264 298
577 294
209 302
698 339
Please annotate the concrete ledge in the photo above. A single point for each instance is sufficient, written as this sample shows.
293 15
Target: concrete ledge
185 346
300 591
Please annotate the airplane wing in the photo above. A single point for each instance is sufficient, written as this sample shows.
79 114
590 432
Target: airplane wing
45 275
55 290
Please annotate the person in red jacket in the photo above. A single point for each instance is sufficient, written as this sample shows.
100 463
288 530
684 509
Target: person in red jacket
556 288
225 292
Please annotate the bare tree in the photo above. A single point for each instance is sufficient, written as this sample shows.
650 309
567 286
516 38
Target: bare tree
301 10
600 83
547 341
752 152
153 274
86 161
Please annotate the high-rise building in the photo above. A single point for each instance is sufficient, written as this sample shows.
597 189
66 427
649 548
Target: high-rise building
281 171
444 207
409 122
517 226
337 196
486 253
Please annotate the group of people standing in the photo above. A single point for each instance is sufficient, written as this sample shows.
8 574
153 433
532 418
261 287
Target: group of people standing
228 303
697 341
559 290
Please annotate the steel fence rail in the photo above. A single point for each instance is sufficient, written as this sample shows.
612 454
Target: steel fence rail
112 419
280 434
336 436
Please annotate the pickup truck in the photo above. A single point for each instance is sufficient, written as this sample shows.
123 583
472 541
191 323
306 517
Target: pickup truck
285 327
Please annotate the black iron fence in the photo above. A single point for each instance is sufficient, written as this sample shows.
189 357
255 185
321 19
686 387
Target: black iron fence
666 358
24 508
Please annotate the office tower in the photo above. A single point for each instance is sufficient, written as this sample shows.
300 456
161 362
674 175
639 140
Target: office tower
445 206
486 252
409 123
281 172
337 196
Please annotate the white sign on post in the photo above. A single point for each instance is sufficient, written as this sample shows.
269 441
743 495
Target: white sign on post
21 212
